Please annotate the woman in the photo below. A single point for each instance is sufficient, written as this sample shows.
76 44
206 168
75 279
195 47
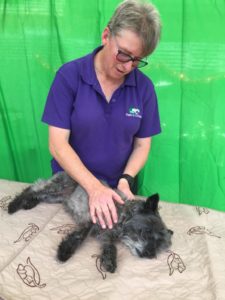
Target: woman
102 111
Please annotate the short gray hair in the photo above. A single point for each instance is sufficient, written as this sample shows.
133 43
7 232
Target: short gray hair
140 17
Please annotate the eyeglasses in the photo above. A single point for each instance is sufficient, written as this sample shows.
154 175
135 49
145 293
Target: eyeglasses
124 57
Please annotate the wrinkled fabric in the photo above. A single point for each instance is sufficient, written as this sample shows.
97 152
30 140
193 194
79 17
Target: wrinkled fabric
192 269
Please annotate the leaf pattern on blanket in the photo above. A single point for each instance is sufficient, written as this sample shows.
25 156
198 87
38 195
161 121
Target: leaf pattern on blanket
4 202
28 232
64 229
29 274
202 210
175 262
201 230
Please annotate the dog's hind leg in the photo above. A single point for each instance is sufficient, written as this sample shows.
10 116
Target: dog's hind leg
72 241
53 190
25 200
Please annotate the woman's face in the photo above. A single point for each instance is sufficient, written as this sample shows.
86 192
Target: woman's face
126 42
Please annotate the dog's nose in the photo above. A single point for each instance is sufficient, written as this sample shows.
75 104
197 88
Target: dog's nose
170 231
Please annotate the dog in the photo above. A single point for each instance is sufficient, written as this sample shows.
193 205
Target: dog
139 225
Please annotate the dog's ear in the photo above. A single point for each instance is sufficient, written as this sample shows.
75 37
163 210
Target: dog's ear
151 204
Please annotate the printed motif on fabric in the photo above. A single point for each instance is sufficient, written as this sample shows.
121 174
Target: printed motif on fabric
134 112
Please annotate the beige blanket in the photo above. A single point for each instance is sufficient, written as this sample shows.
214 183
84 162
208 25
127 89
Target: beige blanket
194 268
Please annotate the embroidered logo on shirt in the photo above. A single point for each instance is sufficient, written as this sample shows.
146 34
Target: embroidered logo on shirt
134 112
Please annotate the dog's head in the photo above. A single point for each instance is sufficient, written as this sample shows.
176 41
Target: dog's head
144 231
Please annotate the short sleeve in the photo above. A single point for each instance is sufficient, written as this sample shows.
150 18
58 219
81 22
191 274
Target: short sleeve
59 104
150 123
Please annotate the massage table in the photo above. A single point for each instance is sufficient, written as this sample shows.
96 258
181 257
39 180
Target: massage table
193 268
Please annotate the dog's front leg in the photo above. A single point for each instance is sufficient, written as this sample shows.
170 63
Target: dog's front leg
72 241
108 257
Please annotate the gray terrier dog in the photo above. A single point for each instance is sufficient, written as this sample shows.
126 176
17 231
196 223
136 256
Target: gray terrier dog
139 225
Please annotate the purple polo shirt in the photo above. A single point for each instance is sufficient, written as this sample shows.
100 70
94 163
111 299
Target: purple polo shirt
102 133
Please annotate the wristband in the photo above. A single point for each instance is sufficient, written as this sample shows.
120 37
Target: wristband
129 179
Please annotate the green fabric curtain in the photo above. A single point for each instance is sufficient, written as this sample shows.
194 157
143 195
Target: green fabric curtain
187 160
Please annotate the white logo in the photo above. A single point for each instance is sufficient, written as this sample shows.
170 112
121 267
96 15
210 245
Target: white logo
134 112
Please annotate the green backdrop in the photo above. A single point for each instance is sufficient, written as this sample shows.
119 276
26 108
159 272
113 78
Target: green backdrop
187 160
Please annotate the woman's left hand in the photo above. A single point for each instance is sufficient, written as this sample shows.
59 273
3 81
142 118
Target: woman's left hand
124 187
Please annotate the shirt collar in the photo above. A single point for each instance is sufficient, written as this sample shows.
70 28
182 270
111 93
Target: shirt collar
88 71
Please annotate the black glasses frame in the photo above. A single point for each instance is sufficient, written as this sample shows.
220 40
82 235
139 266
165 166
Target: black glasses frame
124 57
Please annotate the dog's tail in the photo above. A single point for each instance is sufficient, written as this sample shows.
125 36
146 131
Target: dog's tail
54 190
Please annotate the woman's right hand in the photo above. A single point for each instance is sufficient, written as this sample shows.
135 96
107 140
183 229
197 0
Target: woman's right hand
101 197
102 206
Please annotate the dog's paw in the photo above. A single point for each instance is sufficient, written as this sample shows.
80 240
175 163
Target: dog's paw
22 201
64 252
70 244
108 259
12 208
66 249
109 265
15 205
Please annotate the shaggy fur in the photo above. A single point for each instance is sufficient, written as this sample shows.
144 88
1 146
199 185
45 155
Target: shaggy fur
139 226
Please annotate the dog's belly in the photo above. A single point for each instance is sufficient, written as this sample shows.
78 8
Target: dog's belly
78 207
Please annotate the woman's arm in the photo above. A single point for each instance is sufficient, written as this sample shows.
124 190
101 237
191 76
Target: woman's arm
136 161
101 198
